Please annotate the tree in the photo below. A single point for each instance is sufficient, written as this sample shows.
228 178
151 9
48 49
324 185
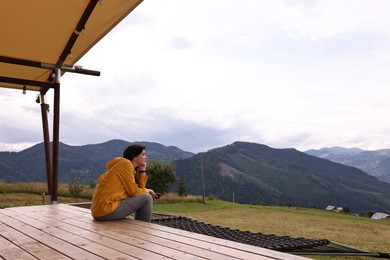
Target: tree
161 176
75 188
370 213
181 189
92 184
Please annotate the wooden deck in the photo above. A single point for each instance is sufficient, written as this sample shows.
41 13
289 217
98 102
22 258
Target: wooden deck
68 232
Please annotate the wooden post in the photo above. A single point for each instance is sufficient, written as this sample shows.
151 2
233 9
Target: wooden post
56 136
46 139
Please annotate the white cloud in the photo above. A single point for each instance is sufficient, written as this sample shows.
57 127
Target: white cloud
303 74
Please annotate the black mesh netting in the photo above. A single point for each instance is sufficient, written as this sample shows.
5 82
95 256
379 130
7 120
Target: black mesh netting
300 246
280 243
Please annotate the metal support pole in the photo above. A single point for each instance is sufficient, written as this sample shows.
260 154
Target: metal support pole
46 139
56 134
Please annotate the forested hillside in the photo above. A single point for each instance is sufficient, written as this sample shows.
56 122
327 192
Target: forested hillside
258 174
243 172
375 163
86 162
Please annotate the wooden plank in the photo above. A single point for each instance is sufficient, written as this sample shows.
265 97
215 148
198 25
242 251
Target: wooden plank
46 238
122 230
9 250
73 227
170 237
132 245
218 245
28 244
80 242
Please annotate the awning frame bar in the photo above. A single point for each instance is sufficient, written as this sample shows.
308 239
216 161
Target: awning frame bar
25 82
36 64
53 81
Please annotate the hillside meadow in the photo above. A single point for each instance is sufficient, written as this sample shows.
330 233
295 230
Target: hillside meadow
358 232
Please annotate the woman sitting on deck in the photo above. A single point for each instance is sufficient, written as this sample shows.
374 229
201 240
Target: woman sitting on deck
119 192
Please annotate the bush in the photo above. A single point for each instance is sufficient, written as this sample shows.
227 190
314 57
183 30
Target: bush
212 197
161 176
370 213
76 188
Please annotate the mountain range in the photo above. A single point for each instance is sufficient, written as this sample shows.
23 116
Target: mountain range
259 174
241 172
86 162
375 163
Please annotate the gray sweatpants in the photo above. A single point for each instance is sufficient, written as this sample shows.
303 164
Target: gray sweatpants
142 205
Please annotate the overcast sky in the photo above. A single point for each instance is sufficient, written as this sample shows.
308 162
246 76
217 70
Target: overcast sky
202 74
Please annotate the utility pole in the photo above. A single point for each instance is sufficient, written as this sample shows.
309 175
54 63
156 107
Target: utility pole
234 181
202 178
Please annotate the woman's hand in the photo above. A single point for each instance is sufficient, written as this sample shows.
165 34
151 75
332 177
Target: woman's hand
153 194
142 167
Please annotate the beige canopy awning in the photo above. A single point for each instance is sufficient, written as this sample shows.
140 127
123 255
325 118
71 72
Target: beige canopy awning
37 35
40 40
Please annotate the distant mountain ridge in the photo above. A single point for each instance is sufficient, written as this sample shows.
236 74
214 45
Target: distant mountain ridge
375 163
334 150
259 174
243 172
86 161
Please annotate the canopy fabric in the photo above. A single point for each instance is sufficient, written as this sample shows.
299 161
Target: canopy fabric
42 32
42 38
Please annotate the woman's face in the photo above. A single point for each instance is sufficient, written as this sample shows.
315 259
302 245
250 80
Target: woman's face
140 160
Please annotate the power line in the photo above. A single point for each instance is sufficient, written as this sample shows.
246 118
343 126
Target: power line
112 115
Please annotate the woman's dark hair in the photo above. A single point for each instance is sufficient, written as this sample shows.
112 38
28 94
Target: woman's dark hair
132 151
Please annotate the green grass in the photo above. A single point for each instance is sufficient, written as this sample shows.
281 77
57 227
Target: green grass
32 193
358 232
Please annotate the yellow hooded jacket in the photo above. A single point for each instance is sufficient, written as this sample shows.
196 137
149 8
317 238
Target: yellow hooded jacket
116 184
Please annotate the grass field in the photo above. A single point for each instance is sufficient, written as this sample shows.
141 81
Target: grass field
358 232
35 193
